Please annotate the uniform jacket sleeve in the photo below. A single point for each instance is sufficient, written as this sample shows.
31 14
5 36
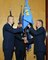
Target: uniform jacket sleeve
36 32
12 30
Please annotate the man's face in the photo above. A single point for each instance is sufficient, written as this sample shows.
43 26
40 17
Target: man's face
38 24
19 25
11 20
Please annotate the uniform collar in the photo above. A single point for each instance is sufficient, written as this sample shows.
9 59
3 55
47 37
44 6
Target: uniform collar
39 27
9 24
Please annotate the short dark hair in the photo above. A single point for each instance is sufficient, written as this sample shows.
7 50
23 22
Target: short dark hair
40 21
19 23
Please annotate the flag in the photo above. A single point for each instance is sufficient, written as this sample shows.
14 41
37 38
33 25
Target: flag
27 15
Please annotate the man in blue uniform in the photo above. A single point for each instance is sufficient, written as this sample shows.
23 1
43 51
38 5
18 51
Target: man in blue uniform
39 38
20 50
8 38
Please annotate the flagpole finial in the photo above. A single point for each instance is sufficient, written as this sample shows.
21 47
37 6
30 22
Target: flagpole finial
10 13
21 7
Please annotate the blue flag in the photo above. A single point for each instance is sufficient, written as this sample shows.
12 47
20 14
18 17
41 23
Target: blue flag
27 15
